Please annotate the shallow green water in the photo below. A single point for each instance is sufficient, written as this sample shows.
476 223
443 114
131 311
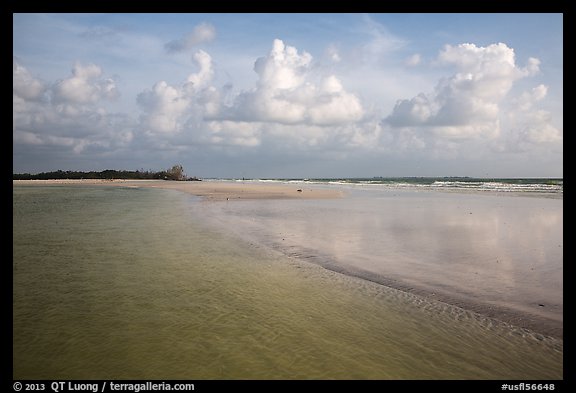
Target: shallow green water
125 283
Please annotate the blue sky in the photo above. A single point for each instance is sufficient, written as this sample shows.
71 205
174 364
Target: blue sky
290 95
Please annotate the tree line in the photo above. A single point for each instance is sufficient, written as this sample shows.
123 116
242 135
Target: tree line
174 173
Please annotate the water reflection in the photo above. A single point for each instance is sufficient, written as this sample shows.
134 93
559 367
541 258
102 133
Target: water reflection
503 251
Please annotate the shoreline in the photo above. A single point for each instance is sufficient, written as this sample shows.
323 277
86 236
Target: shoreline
213 191
210 190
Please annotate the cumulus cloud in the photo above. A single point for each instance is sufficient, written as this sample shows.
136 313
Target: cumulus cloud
527 100
292 104
24 85
68 113
296 105
334 105
283 68
289 92
164 105
538 128
528 124
235 133
85 86
466 104
205 74
167 109
204 32
474 111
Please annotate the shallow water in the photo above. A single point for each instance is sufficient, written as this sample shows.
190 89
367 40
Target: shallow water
126 283
495 254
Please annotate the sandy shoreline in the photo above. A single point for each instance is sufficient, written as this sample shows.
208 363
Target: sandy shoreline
211 190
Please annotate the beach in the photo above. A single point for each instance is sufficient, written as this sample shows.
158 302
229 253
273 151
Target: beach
211 190
408 280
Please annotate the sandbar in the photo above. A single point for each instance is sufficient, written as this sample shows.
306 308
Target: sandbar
210 190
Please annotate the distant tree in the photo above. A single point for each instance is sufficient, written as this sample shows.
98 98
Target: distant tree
176 173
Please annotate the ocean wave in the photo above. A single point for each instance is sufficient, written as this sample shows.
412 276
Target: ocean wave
528 185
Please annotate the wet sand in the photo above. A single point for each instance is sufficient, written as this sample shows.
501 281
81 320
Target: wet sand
211 190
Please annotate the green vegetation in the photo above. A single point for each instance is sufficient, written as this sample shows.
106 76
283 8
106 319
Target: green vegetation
174 173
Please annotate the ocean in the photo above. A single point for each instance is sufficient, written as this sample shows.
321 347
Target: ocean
542 186
140 283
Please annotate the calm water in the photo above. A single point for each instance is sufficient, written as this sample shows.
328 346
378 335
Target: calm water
498 254
126 283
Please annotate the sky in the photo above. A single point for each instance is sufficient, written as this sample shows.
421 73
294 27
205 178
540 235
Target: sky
290 95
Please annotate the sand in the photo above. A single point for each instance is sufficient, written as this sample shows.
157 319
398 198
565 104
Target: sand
211 190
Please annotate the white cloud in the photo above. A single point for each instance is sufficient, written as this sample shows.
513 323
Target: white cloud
474 112
24 85
381 40
292 105
413 60
466 104
283 68
169 109
533 66
85 86
69 113
528 99
204 76
297 106
204 32
333 53
287 93
235 133
538 128
334 105
164 106
528 124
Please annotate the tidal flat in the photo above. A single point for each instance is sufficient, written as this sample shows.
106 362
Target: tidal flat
144 283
